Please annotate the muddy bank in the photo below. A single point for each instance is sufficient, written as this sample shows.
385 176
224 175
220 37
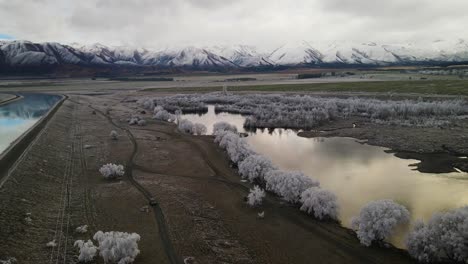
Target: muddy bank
439 149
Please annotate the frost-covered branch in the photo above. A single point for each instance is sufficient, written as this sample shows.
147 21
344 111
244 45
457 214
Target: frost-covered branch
378 220
112 171
87 250
305 112
321 203
188 127
117 247
255 197
254 167
445 236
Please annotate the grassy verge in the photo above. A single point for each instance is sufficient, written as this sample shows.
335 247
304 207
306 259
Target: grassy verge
437 87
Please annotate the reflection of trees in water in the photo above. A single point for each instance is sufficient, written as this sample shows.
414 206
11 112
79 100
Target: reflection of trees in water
31 106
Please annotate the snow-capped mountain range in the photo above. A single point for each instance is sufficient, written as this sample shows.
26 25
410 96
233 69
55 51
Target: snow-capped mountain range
26 53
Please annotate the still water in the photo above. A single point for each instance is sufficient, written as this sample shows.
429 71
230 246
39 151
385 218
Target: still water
18 116
356 172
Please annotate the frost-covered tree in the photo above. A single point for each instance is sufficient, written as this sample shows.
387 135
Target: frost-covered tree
141 122
235 146
186 126
321 203
444 237
255 197
112 171
133 121
223 126
87 250
304 111
199 129
289 184
238 150
163 115
146 103
82 229
254 167
117 247
157 109
377 220
114 135
223 138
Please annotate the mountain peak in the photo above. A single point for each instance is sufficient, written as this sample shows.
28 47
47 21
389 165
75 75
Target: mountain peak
23 53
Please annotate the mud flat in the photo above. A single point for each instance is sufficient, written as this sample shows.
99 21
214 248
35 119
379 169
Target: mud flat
199 211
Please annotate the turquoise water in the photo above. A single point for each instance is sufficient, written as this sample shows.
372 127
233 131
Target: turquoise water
18 116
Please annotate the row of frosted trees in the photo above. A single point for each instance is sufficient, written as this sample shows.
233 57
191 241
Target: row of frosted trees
443 237
305 112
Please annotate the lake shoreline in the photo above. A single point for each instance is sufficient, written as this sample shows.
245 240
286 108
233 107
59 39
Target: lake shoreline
406 142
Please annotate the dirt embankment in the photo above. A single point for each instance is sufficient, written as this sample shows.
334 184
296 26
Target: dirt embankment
204 215
8 98
439 149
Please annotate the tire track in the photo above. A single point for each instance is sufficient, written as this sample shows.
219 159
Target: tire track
63 216
158 213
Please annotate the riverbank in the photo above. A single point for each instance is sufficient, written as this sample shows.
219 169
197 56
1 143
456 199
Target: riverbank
203 212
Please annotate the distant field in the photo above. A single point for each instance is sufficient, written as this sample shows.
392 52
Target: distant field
437 87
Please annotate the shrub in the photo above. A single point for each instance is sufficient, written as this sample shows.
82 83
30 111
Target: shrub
199 129
51 244
146 103
185 126
289 184
224 126
158 109
87 250
378 219
255 196
236 147
118 247
223 138
82 229
114 135
133 121
162 115
255 167
445 236
112 171
142 122
321 203
238 150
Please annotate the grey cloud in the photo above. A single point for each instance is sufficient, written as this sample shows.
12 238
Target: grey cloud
206 22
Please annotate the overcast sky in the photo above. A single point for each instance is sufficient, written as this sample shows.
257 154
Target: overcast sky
160 23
